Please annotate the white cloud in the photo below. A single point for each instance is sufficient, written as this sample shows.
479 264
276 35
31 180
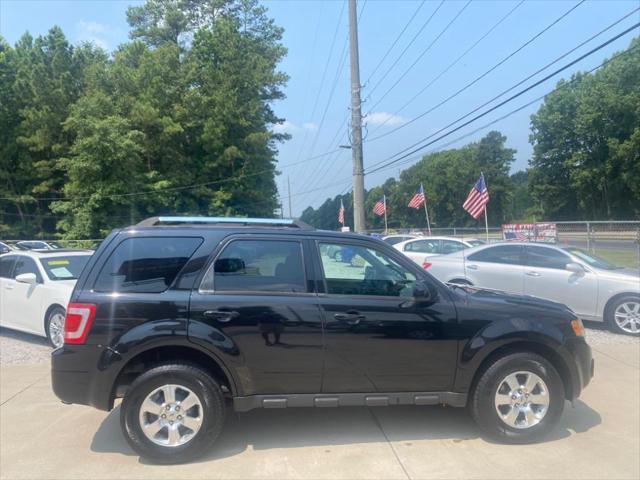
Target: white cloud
309 126
379 118
90 31
285 127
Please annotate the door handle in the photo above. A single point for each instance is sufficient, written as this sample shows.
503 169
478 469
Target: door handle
9 287
223 316
350 318
472 267
533 274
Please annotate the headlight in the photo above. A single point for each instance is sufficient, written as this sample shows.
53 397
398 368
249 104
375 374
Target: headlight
577 327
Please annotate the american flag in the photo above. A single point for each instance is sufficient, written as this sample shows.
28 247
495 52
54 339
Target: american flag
477 199
380 207
418 199
341 213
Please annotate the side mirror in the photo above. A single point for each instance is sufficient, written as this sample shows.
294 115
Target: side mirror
576 268
424 291
29 278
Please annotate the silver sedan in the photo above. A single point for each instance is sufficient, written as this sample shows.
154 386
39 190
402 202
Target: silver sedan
593 288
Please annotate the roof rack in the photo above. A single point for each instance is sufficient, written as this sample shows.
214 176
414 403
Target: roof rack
258 222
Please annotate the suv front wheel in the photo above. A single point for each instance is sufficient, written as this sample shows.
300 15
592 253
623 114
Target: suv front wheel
172 413
518 399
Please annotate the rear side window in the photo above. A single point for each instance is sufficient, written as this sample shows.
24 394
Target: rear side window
145 264
257 266
423 246
507 254
449 246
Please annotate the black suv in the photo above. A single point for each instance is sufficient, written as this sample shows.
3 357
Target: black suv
177 313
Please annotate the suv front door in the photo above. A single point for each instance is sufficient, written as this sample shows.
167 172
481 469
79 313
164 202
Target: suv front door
378 336
256 304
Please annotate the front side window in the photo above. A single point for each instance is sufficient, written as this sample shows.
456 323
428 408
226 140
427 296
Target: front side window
505 254
358 270
6 266
26 265
451 246
257 266
64 268
423 246
546 258
145 264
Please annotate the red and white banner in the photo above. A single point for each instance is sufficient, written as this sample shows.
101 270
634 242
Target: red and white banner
530 232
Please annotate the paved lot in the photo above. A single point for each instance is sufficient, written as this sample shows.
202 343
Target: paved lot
599 438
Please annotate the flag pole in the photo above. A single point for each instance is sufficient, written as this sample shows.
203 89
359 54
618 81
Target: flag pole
426 212
486 224
384 199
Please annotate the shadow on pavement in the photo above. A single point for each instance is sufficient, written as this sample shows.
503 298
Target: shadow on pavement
300 427
23 337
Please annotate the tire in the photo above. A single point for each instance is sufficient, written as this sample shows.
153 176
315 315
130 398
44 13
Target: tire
533 423
181 379
54 326
624 309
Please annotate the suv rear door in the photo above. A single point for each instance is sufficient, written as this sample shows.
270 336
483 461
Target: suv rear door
256 305
378 337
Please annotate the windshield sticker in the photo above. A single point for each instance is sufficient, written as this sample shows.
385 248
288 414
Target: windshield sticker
61 272
57 262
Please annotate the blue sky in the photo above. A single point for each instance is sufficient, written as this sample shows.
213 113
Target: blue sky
317 103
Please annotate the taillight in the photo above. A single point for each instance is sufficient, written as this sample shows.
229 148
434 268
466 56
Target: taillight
425 265
78 321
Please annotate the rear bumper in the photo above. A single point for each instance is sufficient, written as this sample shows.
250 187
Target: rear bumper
76 376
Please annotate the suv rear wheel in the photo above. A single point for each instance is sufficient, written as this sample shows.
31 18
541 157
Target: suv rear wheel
518 399
172 413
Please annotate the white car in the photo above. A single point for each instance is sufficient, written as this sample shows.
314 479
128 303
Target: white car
593 288
398 237
35 288
418 249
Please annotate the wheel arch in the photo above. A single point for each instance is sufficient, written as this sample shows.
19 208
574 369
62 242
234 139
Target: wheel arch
47 312
165 354
611 302
521 346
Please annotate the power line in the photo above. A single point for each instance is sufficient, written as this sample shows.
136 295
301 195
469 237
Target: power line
513 112
415 37
504 102
422 54
480 77
451 65
384 57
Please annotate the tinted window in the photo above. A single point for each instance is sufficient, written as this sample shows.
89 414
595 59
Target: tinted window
509 254
145 264
546 258
451 246
257 266
423 246
394 240
475 243
64 268
26 265
357 270
6 265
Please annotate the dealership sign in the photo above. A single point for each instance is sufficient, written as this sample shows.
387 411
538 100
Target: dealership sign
530 232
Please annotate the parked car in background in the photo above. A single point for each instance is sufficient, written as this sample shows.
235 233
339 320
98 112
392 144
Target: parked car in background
35 288
174 318
5 248
399 237
37 245
418 249
590 286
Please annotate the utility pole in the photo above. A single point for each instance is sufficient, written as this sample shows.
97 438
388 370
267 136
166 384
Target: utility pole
356 122
289 188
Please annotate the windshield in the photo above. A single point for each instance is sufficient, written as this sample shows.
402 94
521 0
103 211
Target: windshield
64 268
591 259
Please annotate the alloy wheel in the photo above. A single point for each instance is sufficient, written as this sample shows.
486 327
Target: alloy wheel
56 329
171 415
522 400
627 316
